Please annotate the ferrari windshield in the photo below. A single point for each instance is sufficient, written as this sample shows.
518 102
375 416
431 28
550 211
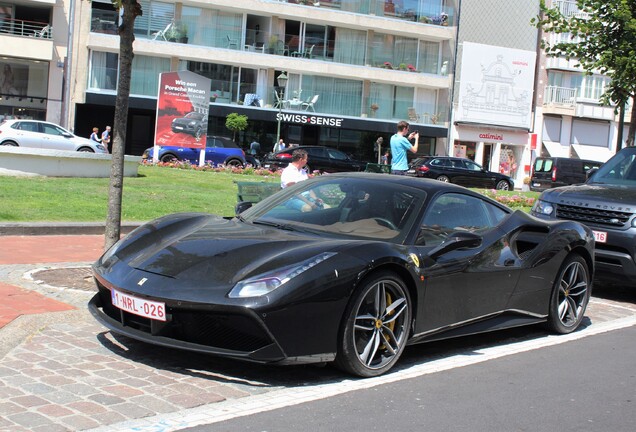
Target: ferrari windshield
619 170
343 207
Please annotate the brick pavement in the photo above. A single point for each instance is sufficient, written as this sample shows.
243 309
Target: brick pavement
62 371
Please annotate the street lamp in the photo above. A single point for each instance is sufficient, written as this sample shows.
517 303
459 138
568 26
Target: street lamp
282 83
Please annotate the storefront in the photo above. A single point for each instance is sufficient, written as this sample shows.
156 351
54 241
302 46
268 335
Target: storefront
504 150
353 135
23 88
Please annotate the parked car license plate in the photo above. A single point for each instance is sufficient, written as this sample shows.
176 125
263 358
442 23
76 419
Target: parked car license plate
135 305
600 236
536 184
411 171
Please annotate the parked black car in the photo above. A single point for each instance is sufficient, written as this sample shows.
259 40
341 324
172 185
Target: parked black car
460 171
607 204
549 172
193 123
321 158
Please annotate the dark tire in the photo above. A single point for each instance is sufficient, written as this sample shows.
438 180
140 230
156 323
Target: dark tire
234 163
168 157
10 143
86 150
503 185
570 295
375 326
443 178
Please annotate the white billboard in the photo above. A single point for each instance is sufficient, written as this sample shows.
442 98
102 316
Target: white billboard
496 86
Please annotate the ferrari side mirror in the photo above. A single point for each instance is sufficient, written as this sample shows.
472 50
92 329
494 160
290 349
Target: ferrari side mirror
241 207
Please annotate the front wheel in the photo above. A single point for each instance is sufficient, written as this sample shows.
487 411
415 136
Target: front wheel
444 179
168 158
86 150
502 185
570 295
375 326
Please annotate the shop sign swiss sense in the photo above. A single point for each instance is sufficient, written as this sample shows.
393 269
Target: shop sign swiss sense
484 135
309 119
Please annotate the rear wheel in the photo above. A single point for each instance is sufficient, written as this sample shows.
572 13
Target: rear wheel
443 178
10 143
168 157
570 295
503 185
375 327
234 163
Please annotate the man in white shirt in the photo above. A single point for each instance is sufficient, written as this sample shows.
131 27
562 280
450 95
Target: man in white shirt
294 173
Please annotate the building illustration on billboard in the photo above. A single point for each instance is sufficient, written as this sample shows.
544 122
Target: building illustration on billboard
182 110
496 85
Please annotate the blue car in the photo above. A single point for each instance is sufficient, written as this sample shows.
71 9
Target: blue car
218 151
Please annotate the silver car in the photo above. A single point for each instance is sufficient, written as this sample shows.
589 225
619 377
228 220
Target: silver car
45 135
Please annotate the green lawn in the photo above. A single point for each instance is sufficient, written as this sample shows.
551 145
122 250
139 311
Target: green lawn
156 192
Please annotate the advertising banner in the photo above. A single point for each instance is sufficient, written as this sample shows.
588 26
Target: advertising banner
182 111
496 86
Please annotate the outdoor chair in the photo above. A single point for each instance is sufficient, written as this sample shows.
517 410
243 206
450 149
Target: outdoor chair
413 115
45 32
310 105
231 42
161 34
281 48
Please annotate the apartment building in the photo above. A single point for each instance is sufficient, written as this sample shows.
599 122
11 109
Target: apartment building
354 68
33 40
570 121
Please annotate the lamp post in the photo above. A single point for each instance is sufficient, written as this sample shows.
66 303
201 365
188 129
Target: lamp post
282 82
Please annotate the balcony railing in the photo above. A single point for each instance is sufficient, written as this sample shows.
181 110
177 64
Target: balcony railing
569 8
560 95
17 27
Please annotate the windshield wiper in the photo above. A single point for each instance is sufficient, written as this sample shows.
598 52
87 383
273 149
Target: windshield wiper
274 224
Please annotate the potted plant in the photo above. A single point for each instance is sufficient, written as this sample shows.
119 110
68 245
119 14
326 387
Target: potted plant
178 32
402 66
374 107
271 45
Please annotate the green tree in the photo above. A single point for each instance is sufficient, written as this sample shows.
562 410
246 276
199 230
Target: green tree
131 10
236 122
603 40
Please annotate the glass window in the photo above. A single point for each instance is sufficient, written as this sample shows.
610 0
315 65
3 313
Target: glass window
50 129
156 17
145 74
103 71
451 212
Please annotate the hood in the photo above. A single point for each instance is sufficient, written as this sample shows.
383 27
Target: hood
217 250
622 198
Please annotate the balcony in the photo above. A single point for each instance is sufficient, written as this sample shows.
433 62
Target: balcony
30 39
569 8
564 101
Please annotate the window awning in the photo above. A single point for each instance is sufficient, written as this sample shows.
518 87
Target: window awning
556 149
599 154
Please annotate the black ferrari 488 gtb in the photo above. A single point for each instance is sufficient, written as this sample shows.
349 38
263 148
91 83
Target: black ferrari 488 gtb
345 268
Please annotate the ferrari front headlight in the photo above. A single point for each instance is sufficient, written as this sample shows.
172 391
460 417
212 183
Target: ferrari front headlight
268 282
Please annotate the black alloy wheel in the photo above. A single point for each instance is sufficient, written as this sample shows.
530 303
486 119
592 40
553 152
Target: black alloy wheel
570 295
375 326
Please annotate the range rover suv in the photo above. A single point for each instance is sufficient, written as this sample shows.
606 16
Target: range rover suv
606 203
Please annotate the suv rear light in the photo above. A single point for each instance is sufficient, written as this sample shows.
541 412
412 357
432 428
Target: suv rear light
283 156
422 168
554 174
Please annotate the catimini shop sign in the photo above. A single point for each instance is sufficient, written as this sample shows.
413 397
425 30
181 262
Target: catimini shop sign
491 136
309 119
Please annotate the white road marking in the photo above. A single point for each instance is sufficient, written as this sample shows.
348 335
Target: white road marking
235 408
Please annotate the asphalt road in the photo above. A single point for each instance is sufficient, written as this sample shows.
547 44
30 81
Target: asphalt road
583 385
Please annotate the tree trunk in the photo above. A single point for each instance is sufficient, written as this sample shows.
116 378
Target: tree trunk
126 38
632 125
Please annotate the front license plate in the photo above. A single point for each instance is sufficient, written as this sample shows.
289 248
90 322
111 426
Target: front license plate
410 172
600 236
179 127
138 306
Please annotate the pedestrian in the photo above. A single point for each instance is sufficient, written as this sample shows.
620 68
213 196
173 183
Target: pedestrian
400 145
385 158
95 135
295 172
106 137
255 147
281 145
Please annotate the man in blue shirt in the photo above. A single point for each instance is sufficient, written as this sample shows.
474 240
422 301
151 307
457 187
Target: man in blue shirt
400 145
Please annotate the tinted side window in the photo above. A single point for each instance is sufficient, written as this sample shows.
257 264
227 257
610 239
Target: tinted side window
27 126
452 212
472 166
439 162
316 152
50 129
335 154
